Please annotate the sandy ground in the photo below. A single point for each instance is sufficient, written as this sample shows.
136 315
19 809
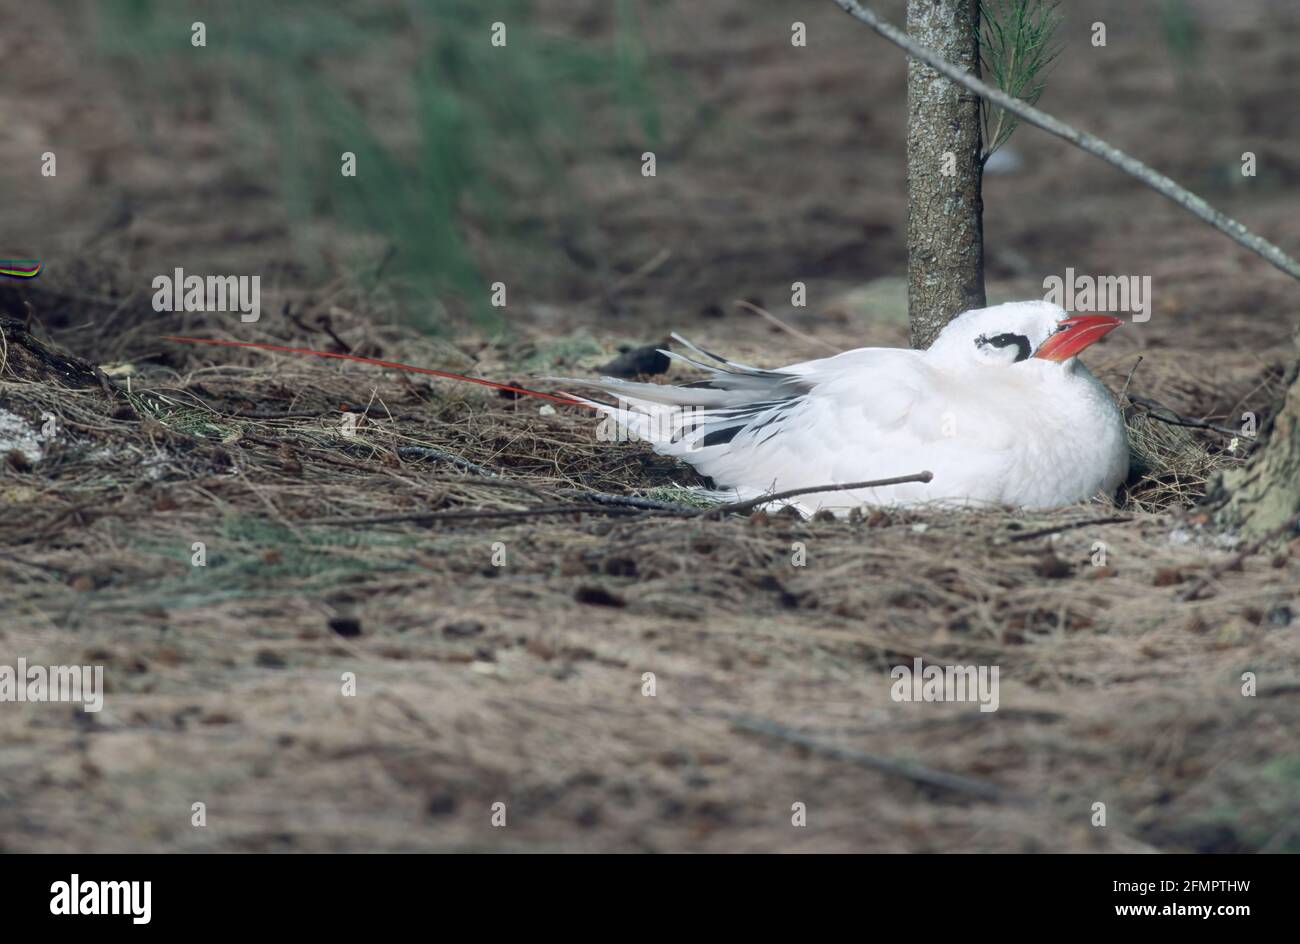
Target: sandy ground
524 683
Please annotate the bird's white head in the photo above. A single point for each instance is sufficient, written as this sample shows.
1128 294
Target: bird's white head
1014 332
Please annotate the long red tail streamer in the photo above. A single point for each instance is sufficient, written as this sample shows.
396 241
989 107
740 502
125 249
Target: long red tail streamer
391 365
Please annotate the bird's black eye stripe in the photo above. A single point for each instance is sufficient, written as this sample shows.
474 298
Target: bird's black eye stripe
1006 340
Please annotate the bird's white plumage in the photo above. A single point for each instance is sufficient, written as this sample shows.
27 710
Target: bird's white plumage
994 424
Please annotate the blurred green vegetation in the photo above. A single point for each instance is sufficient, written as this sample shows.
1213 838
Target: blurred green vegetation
1182 35
455 138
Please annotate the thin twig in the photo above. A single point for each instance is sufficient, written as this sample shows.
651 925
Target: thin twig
659 258
926 776
322 324
631 501
1177 419
328 327
1070 526
779 496
425 452
610 291
1129 379
1082 139
806 338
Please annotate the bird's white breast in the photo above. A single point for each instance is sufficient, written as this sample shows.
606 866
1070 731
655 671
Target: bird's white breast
1038 435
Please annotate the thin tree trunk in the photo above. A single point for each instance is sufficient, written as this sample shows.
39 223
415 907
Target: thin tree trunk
1082 139
1262 496
945 212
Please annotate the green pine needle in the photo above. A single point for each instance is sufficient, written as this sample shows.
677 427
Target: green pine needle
1017 47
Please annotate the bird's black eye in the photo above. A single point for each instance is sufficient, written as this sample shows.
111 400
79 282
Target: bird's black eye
1020 342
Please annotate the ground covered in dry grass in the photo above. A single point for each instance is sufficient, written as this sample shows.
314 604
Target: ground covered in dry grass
520 679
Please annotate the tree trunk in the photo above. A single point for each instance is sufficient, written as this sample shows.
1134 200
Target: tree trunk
1260 497
945 213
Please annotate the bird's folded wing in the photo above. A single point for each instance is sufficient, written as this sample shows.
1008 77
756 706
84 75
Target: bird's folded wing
850 418
856 416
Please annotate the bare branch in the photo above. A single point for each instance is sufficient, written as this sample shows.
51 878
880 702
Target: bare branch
1158 411
917 773
810 490
1068 526
773 319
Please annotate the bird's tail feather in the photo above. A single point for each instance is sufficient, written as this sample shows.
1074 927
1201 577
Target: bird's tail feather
682 419
731 385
